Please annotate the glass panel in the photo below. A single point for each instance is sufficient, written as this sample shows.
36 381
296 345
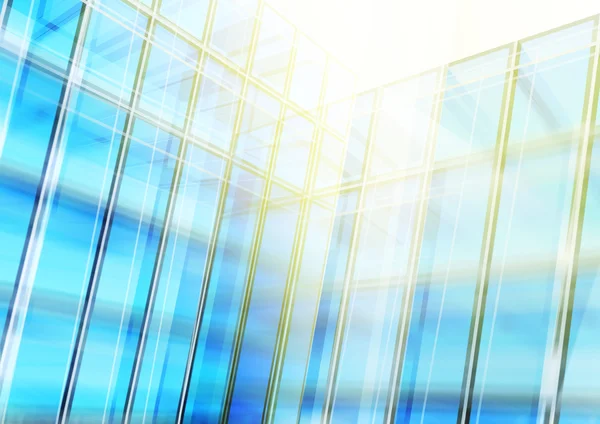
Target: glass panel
256 138
432 371
534 207
190 15
530 236
403 125
294 151
433 367
29 23
321 347
386 233
306 299
582 375
341 83
224 298
550 89
519 311
358 138
338 116
112 51
217 105
366 358
69 243
168 81
264 311
125 276
330 162
590 237
29 109
472 102
232 29
273 51
307 79
455 219
178 292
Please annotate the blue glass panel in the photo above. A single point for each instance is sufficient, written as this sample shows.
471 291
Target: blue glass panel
470 114
257 133
313 397
436 349
30 109
125 276
226 286
367 353
264 312
582 374
217 106
551 85
49 26
306 300
168 80
514 339
112 50
69 244
178 291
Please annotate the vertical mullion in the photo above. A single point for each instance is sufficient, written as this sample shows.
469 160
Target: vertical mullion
352 250
34 239
92 288
551 409
295 264
255 250
212 247
481 289
415 252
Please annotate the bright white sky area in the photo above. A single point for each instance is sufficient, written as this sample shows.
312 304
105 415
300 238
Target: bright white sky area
384 40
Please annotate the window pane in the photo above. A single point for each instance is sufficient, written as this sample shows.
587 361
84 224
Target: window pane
113 50
272 57
432 371
307 80
367 354
551 85
26 131
317 370
29 22
386 233
217 105
257 134
168 81
403 125
362 117
306 299
187 14
178 292
294 150
69 245
232 29
264 311
471 110
224 297
125 276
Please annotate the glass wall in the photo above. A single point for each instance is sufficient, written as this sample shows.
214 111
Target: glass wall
201 221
